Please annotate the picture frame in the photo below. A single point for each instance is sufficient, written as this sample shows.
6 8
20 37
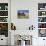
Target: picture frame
23 14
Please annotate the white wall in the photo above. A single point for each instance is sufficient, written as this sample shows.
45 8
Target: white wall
23 24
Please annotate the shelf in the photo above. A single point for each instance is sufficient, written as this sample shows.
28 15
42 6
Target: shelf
41 28
4 19
3 10
41 19
41 22
42 16
3 22
41 10
3 16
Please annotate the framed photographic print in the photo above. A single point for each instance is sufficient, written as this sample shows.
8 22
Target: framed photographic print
23 14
